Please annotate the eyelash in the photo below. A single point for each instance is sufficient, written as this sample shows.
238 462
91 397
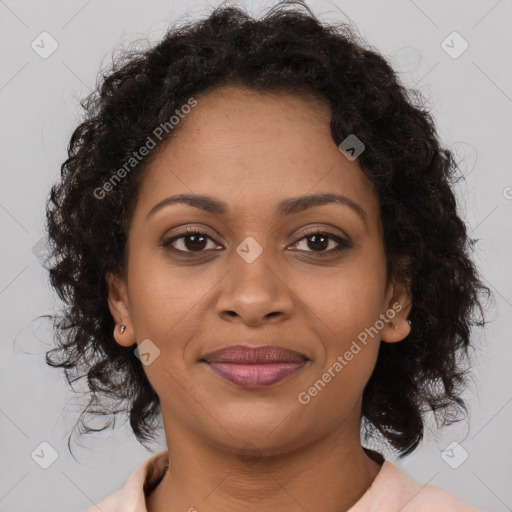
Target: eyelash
343 244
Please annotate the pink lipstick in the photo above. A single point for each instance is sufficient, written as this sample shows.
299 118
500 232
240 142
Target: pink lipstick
256 367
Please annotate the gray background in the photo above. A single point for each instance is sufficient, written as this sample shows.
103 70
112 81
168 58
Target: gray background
471 99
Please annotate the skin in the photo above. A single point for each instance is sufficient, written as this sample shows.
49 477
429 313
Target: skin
252 150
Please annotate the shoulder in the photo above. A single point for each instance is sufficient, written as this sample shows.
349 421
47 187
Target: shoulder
430 498
393 491
132 497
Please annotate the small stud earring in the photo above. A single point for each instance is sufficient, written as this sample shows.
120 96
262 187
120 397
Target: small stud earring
395 326
122 328
409 323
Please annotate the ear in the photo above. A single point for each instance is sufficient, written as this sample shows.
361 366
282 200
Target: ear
399 304
118 305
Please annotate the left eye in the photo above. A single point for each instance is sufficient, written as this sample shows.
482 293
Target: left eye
196 241
320 241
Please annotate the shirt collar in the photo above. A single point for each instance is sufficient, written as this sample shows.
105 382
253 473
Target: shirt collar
142 481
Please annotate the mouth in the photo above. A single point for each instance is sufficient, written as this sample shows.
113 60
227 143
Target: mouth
257 367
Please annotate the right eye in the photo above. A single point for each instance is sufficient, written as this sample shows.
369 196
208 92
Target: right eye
192 240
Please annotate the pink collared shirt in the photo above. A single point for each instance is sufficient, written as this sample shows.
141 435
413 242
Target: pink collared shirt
391 491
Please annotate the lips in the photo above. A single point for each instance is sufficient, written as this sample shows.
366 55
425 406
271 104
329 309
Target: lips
243 354
256 367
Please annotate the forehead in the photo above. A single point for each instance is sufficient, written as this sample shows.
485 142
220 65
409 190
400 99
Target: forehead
251 150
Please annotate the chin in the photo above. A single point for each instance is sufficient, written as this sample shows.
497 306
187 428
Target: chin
264 438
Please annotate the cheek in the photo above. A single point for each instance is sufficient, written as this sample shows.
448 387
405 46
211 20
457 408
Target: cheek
349 298
346 320
164 297
345 309
162 309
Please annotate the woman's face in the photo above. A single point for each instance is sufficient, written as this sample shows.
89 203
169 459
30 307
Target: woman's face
259 276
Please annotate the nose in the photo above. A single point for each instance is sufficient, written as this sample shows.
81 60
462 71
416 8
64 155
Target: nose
255 293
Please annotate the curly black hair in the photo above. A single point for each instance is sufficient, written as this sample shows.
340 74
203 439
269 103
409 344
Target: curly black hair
287 50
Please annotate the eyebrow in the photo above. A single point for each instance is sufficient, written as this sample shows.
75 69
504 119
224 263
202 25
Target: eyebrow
286 207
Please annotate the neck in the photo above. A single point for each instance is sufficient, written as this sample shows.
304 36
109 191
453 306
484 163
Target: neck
329 475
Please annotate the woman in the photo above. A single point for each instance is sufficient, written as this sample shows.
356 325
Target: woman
257 239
